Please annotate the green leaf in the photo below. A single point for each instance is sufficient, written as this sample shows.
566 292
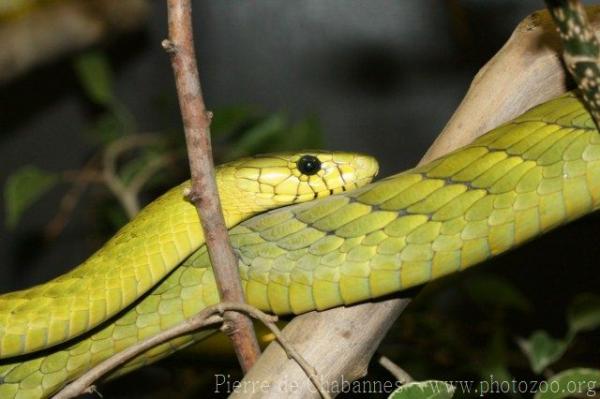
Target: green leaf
542 350
23 188
489 289
94 72
579 382
424 390
584 313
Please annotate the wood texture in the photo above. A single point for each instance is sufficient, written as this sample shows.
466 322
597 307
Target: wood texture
204 193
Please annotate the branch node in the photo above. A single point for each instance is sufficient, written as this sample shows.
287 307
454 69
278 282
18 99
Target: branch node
169 46
192 196
93 389
204 192
228 328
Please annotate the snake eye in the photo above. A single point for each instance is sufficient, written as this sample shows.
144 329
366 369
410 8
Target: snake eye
309 165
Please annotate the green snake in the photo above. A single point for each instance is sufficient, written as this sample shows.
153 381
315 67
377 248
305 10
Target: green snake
510 185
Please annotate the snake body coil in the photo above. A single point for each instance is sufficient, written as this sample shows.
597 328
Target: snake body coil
512 184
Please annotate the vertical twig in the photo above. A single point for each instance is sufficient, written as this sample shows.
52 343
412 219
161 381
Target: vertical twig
203 193
581 50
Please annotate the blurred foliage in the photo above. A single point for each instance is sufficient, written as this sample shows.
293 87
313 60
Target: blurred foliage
23 188
584 313
237 131
542 350
481 355
579 382
95 77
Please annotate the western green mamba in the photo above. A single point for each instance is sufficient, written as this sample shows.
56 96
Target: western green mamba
510 185
165 233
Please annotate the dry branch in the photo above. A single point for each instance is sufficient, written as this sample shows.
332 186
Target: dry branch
203 193
208 316
340 342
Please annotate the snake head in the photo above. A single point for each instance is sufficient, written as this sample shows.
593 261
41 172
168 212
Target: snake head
274 180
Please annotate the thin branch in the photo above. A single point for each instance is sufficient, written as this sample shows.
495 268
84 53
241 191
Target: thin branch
208 316
150 169
127 197
79 180
399 373
293 354
581 50
203 193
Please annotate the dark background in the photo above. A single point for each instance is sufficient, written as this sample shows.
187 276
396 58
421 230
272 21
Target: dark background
382 76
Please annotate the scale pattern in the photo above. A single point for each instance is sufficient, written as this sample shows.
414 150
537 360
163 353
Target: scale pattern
127 266
512 184
187 290
164 234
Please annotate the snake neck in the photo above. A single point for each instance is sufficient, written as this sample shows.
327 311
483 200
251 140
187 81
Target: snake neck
241 197
239 207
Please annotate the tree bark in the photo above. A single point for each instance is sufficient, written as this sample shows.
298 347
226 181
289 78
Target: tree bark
204 193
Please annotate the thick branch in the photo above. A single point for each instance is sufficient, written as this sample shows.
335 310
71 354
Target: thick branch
203 193
340 342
